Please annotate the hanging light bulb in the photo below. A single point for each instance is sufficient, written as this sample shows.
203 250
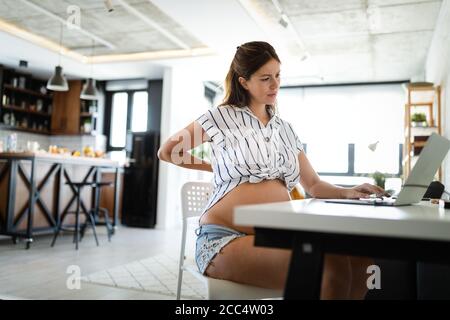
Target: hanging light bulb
58 82
89 91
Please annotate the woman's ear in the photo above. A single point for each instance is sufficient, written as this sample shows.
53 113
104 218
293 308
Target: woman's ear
243 83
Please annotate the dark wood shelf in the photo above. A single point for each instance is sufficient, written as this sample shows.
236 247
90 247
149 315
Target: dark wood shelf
19 109
87 114
7 127
27 91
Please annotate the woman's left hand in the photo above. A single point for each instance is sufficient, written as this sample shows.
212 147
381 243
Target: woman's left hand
364 191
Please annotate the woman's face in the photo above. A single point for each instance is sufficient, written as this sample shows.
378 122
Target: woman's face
264 83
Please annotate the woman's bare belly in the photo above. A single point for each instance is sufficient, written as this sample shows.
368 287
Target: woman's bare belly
247 193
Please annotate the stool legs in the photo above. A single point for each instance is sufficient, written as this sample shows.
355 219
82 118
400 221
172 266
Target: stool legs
77 219
91 218
108 225
58 228
78 230
94 213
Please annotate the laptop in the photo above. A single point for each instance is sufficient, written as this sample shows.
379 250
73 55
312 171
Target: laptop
418 180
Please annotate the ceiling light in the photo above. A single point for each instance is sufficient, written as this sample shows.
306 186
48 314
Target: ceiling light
89 91
58 82
284 21
109 6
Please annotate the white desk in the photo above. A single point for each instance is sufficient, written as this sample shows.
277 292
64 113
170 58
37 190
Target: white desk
313 228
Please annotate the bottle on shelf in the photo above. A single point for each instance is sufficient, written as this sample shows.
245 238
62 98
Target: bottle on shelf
12 121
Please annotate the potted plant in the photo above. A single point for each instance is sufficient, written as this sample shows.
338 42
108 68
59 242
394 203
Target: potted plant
379 179
202 152
419 119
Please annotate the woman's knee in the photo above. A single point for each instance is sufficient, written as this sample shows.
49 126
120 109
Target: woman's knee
337 267
360 265
337 271
337 278
360 275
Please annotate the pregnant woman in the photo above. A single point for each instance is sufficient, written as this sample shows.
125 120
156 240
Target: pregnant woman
257 158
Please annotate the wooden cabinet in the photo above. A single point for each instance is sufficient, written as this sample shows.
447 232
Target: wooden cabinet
66 110
107 194
422 118
73 115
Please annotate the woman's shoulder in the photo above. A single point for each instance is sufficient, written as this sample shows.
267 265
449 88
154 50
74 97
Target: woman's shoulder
282 121
220 107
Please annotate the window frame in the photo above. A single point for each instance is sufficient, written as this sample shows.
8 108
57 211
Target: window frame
108 115
351 164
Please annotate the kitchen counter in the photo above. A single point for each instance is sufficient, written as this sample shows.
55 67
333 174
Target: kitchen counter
60 158
35 190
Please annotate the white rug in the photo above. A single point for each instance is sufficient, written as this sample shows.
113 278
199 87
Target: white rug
157 274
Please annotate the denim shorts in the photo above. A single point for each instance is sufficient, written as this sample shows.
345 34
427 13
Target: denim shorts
211 238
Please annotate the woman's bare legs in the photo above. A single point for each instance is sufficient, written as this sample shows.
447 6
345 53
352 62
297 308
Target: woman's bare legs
359 276
240 261
336 278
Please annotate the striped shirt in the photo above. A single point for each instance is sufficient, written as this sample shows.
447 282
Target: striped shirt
244 150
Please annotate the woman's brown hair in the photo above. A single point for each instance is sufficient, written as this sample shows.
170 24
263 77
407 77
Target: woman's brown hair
248 58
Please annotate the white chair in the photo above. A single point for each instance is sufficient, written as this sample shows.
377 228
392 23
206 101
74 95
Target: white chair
194 197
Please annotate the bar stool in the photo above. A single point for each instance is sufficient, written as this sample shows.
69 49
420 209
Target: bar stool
89 216
96 213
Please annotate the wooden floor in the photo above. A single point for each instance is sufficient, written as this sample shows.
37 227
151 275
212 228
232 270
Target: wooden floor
41 271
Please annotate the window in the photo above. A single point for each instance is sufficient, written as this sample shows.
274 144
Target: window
129 113
339 122
118 120
331 157
139 112
384 159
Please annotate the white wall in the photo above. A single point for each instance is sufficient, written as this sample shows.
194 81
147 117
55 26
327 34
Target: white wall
438 72
182 102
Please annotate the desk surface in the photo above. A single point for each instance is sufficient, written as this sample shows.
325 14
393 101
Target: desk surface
419 221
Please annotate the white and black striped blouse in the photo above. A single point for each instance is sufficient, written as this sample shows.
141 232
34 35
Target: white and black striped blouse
244 150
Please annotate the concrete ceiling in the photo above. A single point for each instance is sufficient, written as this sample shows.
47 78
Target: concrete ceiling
126 32
345 40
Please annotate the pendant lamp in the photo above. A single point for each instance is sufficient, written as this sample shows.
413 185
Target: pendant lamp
58 82
89 91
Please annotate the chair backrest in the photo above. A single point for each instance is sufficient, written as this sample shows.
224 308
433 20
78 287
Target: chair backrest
435 190
194 197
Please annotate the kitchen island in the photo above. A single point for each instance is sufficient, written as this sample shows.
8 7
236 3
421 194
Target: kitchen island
35 190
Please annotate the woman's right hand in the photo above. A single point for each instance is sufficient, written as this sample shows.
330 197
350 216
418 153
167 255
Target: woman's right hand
363 191
175 149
